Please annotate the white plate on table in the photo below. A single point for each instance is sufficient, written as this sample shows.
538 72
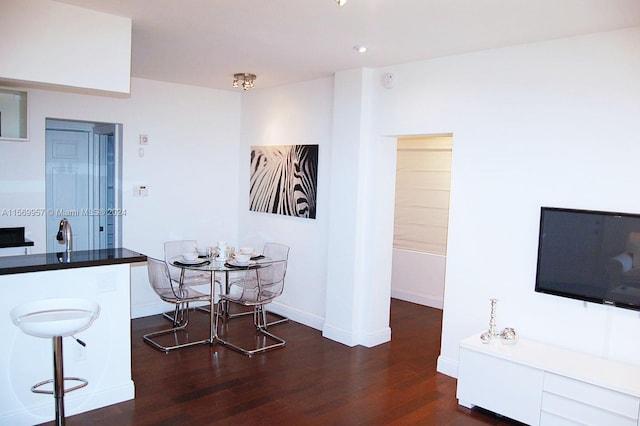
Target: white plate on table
192 262
236 263
252 254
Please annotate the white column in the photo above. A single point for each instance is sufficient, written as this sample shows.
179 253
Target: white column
360 232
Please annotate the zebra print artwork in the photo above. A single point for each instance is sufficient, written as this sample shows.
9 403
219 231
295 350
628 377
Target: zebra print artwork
284 180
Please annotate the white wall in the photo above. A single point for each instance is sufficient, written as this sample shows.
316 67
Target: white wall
553 123
55 43
418 277
292 114
337 280
193 144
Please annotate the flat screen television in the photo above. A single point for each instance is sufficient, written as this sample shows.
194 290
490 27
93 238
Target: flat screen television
590 255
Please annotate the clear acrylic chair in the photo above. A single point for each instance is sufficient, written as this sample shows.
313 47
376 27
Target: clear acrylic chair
191 278
255 287
276 251
273 251
171 292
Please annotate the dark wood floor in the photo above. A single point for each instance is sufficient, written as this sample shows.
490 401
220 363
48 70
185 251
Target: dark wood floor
312 380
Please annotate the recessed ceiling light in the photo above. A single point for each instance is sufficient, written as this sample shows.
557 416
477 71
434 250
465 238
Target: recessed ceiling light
341 2
360 49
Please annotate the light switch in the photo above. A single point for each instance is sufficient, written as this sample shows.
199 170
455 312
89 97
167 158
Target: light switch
140 191
144 139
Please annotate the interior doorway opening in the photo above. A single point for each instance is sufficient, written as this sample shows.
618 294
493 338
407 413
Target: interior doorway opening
84 183
423 176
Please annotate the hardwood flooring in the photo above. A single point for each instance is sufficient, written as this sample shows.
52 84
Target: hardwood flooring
311 381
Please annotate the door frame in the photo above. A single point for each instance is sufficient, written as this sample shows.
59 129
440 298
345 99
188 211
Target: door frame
97 178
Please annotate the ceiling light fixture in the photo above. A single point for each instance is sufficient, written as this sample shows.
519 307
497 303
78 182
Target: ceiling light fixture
244 79
341 2
360 49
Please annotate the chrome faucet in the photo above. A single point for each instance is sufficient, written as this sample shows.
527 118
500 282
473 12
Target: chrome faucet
65 236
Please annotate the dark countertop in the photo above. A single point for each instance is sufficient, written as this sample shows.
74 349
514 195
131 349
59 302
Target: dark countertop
25 243
75 259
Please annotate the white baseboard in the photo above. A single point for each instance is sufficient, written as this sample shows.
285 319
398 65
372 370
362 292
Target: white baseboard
296 315
447 366
420 299
342 336
155 309
351 339
150 309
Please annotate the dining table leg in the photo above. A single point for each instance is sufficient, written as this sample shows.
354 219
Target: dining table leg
180 309
212 311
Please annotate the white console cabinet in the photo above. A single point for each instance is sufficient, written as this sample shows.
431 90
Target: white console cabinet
539 384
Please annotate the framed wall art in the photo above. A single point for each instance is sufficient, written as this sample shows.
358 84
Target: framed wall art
284 179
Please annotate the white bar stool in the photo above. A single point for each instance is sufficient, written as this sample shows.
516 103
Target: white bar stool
55 319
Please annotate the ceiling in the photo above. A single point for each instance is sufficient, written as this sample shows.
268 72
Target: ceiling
204 42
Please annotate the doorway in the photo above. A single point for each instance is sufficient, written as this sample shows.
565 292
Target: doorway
83 183
423 176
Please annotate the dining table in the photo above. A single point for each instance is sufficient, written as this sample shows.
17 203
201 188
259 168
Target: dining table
222 266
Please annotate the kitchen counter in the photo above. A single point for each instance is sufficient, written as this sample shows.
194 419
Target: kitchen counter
103 276
25 243
13 242
67 260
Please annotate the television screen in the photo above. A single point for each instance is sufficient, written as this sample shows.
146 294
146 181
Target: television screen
590 255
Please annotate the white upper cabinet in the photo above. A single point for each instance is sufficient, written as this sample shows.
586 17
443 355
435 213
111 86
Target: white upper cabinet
53 43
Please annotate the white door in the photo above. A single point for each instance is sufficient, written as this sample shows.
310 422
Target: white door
105 227
68 184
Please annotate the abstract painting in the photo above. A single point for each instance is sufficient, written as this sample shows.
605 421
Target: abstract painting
284 180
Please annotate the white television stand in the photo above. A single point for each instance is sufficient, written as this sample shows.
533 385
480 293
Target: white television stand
539 384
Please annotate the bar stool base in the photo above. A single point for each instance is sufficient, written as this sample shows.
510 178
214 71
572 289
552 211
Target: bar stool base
83 383
58 381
